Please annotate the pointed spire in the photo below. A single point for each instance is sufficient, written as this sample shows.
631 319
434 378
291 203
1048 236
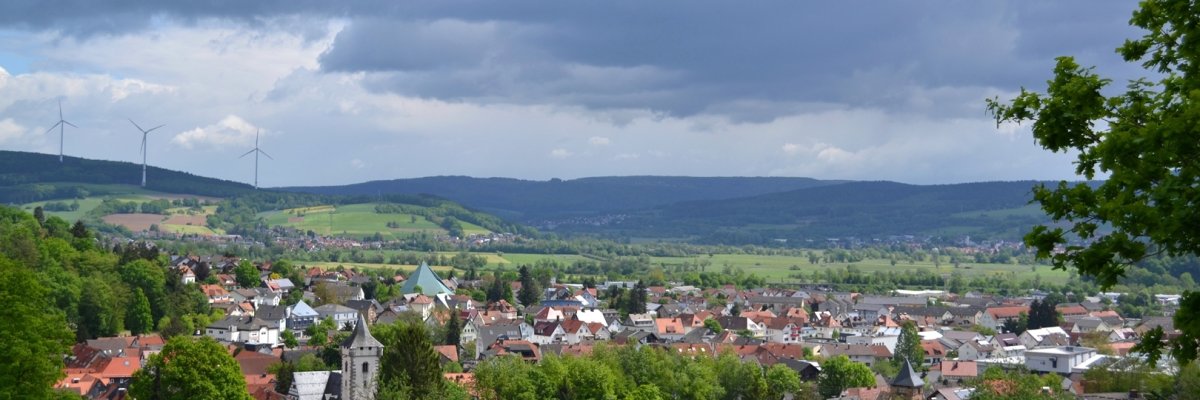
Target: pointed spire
361 336
430 283
908 377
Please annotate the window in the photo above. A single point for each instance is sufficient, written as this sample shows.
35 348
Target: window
364 368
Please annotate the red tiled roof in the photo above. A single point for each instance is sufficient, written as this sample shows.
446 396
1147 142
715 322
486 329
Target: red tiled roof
449 351
1007 312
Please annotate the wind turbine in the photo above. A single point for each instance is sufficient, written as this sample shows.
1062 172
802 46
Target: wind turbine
60 125
256 152
145 133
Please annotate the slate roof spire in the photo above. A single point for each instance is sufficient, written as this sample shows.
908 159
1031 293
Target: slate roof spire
361 336
908 377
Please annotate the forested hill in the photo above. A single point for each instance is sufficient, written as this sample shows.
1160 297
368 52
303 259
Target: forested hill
531 200
859 209
27 177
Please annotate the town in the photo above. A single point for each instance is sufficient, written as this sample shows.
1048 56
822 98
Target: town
275 320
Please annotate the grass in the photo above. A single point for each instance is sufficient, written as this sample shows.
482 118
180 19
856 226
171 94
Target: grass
408 269
357 220
186 229
779 268
118 192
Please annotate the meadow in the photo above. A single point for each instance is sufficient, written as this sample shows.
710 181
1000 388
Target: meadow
178 219
780 268
358 220
775 268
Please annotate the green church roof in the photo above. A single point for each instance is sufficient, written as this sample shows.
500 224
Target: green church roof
429 281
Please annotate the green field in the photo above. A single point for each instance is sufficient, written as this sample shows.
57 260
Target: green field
357 220
327 265
777 268
186 229
134 194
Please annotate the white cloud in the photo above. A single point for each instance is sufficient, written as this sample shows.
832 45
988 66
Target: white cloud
10 130
599 141
791 148
560 153
627 156
231 130
357 163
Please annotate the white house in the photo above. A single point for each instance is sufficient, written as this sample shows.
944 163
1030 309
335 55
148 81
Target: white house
783 330
340 314
1059 360
1033 337
244 330
547 333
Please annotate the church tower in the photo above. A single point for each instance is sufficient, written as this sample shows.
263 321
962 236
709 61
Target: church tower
908 384
360 363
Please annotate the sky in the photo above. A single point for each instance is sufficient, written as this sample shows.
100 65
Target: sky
345 92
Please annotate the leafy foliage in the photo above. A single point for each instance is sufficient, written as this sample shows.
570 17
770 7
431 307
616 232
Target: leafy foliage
409 360
1144 139
34 336
190 369
628 372
908 347
839 373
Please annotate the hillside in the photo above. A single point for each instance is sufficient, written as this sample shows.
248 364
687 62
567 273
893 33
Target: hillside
528 200
28 177
85 186
859 209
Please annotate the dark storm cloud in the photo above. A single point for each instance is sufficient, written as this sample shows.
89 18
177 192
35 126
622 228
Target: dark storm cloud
751 60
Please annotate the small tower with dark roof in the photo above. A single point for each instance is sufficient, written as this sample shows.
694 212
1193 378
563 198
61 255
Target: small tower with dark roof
908 383
360 363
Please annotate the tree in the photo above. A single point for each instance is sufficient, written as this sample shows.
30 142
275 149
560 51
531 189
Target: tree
34 337
39 215
636 303
80 231
246 274
1016 325
453 329
839 373
781 381
289 339
713 325
99 310
189 368
908 347
151 279
1144 139
1001 384
409 359
530 293
138 319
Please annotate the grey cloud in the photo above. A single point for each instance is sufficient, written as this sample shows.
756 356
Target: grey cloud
749 61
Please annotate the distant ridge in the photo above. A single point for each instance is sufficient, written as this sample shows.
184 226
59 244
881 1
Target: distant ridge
996 210
26 177
528 200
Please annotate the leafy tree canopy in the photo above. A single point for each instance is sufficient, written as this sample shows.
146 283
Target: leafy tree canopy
1144 139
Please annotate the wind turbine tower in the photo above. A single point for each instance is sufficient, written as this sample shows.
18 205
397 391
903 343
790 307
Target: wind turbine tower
60 125
145 133
256 152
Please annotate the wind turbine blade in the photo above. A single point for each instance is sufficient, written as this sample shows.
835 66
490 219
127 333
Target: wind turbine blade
60 110
55 126
136 125
265 154
68 123
247 153
152 129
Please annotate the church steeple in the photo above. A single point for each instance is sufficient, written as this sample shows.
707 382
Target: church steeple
908 383
360 363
